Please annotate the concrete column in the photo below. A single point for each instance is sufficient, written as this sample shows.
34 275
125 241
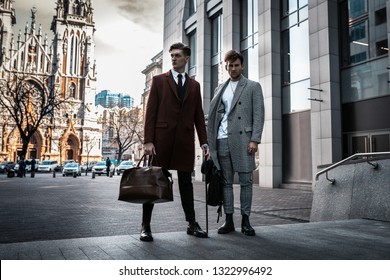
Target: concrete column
270 170
324 78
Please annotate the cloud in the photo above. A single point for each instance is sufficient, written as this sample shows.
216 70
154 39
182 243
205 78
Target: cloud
145 13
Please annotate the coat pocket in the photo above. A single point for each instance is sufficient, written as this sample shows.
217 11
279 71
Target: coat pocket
248 129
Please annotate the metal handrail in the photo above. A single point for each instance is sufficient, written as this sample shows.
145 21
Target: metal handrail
354 156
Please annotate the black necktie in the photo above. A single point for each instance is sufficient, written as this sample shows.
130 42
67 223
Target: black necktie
180 81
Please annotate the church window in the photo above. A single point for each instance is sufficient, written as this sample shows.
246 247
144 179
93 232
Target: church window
73 55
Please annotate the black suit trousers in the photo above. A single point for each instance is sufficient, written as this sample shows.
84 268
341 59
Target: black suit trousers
187 199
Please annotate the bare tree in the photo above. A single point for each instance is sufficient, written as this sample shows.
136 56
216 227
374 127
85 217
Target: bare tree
126 129
28 102
89 145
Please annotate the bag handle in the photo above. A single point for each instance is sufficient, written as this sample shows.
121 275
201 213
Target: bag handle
148 161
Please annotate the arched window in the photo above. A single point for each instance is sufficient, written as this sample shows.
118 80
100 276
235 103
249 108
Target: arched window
74 55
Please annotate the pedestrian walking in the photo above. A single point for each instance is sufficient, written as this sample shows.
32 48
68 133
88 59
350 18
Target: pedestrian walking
235 125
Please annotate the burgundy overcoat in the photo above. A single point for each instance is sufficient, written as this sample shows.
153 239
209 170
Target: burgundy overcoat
170 125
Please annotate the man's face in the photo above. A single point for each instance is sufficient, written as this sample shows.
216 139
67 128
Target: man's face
179 60
234 69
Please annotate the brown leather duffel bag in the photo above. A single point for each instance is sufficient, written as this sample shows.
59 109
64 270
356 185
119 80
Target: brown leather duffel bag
147 184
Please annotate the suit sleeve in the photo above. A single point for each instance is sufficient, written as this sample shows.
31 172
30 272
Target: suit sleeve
151 113
200 120
258 112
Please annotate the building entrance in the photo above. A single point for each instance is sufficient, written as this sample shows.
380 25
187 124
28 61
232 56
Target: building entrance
369 142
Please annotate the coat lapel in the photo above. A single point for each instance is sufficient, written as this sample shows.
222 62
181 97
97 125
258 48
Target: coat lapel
188 87
219 107
171 83
237 93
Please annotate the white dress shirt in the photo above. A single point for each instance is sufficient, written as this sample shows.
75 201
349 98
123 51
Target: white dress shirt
175 74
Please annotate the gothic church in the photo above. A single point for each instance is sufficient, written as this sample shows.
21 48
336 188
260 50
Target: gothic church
69 62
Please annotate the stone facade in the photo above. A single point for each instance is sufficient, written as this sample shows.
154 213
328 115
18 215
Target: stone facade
68 63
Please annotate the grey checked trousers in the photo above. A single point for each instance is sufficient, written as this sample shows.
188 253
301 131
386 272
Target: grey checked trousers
245 179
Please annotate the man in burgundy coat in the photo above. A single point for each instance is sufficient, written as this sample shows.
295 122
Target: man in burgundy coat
173 112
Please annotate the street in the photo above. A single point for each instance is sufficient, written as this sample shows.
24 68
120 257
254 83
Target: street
47 208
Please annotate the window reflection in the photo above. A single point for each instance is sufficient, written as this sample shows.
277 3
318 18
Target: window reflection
192 6
296 57
216 52
249 38
364 50
192 62
365 81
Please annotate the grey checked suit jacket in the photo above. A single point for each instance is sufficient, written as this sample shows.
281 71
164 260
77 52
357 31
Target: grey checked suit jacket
245 123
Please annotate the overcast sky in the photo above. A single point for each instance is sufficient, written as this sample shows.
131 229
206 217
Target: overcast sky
128 34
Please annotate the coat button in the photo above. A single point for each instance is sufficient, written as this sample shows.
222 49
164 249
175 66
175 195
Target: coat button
239 118
240 132
239 103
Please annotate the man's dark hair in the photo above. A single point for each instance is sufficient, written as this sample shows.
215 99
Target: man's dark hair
180 46
233 55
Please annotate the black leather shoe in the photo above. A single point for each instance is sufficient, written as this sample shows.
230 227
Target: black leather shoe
228 225
195 230
246 227
146 234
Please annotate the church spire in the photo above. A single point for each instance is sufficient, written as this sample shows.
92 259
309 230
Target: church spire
33 23
75 10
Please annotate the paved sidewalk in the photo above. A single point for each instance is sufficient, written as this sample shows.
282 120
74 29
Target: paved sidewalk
31 229
350 240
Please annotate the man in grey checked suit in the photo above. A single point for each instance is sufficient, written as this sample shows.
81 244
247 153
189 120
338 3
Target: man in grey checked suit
235 125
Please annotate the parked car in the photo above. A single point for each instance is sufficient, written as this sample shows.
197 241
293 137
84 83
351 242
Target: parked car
90 165
123 166
5 166
62 165
71 168
48 166
100 168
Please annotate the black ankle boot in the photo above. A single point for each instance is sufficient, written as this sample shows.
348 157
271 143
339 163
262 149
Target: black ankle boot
246 226
228 225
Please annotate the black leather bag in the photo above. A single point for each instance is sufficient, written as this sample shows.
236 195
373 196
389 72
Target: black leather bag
147 184
214 184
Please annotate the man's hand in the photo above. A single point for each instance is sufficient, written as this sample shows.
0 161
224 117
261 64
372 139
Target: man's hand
206 151
149 149
252 147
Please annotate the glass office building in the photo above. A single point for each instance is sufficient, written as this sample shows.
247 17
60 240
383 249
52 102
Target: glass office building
108 99
323 67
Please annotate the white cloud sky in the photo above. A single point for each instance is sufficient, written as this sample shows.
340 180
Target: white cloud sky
128 34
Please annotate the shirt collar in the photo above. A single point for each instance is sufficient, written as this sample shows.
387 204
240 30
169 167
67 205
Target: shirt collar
175 73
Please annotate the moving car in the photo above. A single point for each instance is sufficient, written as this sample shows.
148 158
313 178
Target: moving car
123 166
100 168
48 166
71 168
5 166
